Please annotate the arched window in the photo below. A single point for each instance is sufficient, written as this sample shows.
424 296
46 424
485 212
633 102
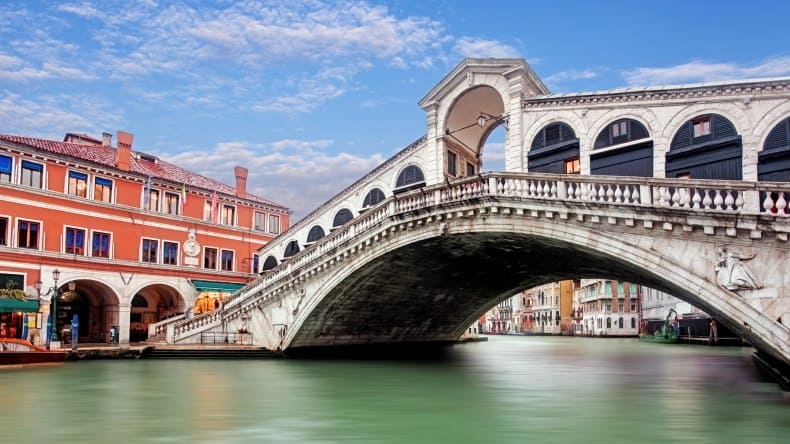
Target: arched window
705 147
633 322
411 177
342 217
139 301
269 263
608 322
774 159
620 322
631 160
555 149
373 197
315 233
620 131
291 249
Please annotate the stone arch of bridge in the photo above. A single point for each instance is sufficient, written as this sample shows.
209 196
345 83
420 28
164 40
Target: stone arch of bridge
462 132
430 284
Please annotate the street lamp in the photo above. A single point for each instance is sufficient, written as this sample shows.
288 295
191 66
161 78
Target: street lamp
53 337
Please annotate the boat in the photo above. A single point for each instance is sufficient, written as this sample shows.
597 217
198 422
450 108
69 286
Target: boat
666 335
18 352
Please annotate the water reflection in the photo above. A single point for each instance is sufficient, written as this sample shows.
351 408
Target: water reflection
508 390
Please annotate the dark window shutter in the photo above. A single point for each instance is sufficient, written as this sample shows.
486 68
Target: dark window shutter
291 249
779 136
373 197
315 233
342 217
682 137
721 127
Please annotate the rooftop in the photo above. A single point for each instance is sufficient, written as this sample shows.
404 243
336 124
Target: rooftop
107 156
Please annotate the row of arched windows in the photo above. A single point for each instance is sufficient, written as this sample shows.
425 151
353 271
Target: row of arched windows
409 178
704 147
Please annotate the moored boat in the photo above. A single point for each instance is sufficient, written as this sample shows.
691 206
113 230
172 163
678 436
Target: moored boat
668 334
17 352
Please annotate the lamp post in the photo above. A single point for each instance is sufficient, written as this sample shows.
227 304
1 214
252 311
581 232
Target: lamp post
53 337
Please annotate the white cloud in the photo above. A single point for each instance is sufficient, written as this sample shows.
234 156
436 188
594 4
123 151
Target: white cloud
701 71
51 116
482 48
297 173
571 74
83 9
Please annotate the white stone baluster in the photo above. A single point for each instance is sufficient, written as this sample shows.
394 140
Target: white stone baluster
718 200
706 200
781 204
553 190
768 203
739 201
618 194
696 199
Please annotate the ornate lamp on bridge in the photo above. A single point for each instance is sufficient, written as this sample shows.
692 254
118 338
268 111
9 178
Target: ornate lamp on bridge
485 117
55 292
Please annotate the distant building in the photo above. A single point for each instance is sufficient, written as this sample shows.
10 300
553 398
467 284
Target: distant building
608 308
134 239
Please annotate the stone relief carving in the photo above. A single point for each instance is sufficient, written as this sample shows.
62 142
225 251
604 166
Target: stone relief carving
731 271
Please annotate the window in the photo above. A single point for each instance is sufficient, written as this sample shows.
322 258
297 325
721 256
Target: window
608 288
228 214
470 169
101 244
4 231
411 175
5 169
572 166
28 234
608 322
260 221
170 253
153 200
633 322
633 290
633 305
620 323
207 207
227 260
149 250
701 126
171 203
78 184
255 263
102 189
620 129
31 174
75 241
452 161
210 258
274 224
373 197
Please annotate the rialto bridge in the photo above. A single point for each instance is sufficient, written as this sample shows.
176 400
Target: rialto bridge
678 188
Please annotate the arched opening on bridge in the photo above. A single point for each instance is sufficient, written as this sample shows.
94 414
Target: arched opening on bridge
96 306
342 217
623 148
774 159
291 249
409 178
315 234
150 305
269 263
469 122
493 157
555 149
705 147
774 163
373 198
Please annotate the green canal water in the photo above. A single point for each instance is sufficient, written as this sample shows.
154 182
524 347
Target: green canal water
511 389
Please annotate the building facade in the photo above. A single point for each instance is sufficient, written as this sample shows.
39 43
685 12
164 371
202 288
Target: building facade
608 308
134 239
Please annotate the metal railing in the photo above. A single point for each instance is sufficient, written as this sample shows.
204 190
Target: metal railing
226 338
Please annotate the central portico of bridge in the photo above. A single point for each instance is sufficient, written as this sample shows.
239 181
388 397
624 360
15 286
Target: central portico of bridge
421 246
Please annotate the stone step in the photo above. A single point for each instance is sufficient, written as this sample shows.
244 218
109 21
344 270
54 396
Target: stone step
208 353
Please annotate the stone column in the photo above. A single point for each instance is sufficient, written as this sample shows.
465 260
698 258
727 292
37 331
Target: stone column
123 325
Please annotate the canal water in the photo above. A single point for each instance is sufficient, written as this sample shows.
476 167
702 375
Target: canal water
511 389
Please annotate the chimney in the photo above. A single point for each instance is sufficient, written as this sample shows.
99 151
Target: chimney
106 139
124 158
241 181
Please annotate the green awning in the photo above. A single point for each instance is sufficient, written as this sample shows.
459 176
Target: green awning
13 305
224 287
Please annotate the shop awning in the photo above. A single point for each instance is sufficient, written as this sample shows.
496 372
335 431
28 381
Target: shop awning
223 287
14 305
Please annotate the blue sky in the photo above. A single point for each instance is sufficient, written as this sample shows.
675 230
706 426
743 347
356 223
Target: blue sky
310 95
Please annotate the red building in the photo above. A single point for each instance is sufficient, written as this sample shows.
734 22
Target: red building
135 239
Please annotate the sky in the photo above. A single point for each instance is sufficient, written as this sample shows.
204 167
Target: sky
310 95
